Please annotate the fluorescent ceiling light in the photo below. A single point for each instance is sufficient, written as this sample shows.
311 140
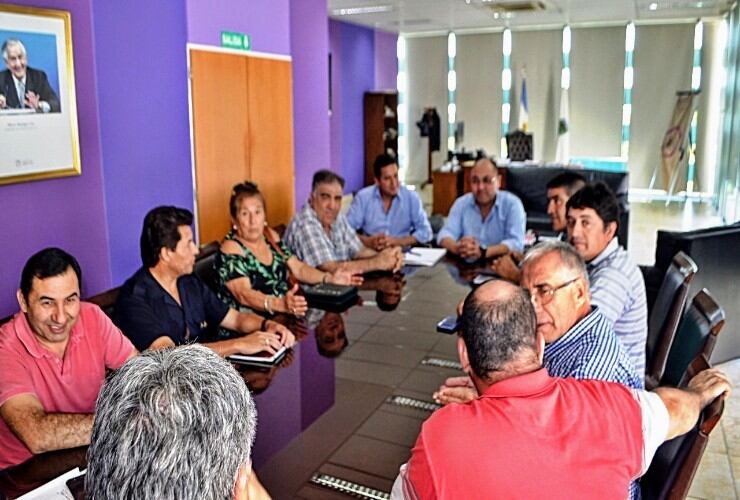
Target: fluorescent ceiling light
353 11
653 6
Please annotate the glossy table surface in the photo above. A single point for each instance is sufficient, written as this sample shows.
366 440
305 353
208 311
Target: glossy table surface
328 406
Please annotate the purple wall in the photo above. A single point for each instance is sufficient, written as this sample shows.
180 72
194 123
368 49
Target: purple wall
134 134
144 123
265 21
386 61
335 121
309 44
67 212
357 75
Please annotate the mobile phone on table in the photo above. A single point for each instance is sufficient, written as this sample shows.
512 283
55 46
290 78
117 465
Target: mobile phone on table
449 324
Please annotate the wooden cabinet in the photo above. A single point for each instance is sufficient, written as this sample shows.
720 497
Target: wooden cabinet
242 117
381 128
446 189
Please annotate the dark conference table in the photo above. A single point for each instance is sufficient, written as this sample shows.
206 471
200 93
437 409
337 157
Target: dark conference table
347 403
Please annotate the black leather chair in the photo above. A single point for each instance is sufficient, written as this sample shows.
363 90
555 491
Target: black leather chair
204 268
697 334
714 250
666 315
529 183
674 465
520 145
106 300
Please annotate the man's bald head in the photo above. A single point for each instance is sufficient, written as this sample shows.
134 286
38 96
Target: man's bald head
499 329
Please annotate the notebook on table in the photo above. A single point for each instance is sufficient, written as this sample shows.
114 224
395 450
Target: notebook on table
263 358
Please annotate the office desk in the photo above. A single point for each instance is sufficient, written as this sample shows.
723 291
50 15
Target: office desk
326 408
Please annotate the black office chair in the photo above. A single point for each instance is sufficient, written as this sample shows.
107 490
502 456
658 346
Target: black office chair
106 300
666 315
674 465
697 334
520 145
204 268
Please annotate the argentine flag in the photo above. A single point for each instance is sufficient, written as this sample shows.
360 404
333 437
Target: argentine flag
523 106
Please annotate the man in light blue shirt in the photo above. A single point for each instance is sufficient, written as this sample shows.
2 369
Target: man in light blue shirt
617 285
388 214
487 222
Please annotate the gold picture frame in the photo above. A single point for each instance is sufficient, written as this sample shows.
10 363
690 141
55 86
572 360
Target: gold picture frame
39 136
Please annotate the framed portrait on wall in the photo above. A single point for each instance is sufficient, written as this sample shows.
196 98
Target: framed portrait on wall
38 111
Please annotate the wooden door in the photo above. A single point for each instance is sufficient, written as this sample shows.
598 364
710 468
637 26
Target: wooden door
271 135
242 130
220 131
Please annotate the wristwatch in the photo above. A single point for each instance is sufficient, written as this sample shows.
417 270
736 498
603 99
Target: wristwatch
483 248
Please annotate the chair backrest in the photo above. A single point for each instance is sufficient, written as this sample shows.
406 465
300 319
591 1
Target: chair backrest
666 315
520 146
675 462
697 334
204 268
106 300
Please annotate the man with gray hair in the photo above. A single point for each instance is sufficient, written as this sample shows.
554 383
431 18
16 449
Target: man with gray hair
322 237
173 424
24 87
531 435
580 340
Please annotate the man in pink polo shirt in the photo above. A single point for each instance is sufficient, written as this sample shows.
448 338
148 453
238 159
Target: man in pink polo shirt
53 358
529 435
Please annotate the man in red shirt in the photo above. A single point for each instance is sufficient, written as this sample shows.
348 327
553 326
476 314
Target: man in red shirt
529 435
53 357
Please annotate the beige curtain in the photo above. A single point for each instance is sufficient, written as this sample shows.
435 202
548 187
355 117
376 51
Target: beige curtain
596 91
427 87
478 64
540 52
662 61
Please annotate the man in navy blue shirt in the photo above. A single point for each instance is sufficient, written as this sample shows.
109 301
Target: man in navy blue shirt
164 305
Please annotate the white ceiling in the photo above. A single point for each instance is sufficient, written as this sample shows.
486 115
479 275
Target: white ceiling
426 16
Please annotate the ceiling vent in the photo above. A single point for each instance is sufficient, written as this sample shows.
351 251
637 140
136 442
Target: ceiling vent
516 7
410 22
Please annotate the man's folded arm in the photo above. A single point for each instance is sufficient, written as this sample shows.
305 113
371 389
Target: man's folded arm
41 431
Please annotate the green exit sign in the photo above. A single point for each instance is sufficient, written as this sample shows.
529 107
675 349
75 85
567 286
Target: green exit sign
234 40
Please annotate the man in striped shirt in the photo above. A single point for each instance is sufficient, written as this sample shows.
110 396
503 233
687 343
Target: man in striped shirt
530 435
617 286
580 340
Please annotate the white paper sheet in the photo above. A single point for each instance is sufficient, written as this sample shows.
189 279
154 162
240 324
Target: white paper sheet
56 489
423 256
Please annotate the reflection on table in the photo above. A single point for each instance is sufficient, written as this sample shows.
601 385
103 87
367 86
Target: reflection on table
468 273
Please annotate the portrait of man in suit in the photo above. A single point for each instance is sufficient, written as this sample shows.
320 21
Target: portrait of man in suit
23 87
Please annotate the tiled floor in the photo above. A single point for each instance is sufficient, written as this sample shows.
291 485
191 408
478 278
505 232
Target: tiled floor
363 438
719 472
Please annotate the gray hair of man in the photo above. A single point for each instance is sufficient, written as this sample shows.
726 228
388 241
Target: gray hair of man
9 42
171 424
569 256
